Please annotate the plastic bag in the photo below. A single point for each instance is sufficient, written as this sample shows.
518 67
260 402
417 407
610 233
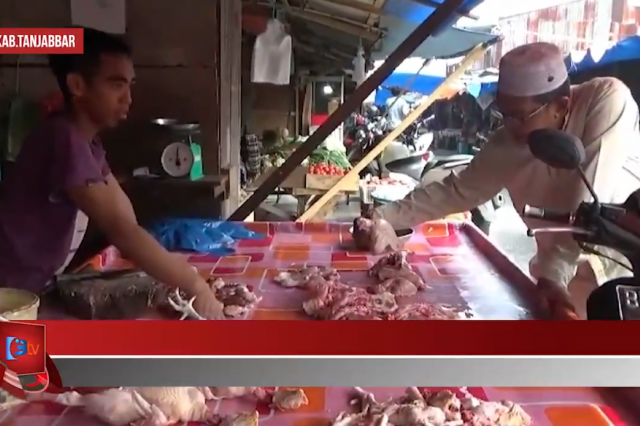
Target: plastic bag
201 235
272 56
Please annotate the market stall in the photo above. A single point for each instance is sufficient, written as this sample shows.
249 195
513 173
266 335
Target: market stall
312 178
442 90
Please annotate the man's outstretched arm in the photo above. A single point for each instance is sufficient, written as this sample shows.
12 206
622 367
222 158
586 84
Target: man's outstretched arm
484 178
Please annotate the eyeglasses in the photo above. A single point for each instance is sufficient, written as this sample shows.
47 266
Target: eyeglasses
518 120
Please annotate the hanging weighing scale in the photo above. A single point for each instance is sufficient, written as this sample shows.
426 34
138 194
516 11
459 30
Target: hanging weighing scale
181 158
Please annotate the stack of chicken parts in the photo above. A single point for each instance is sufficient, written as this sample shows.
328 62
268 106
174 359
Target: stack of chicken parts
164 406
331 299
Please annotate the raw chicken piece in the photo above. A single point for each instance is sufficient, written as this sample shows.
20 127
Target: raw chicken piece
300 278
238 299
241 419
400 287
178 404
289 399
236 392
375 235
425 311
448 402
488 413
142 406
337 301
395 266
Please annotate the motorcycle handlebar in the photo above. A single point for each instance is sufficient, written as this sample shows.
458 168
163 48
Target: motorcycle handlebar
548 215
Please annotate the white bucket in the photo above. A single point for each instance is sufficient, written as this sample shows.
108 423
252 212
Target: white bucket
18 305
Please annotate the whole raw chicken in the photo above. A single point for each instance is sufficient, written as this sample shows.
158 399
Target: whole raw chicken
141 406
375 235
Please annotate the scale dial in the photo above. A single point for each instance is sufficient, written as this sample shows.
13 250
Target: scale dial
177 159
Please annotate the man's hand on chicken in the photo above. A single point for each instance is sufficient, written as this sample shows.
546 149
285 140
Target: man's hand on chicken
208 306
203 306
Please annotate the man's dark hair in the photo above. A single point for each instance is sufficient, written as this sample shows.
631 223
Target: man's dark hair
96 44
564 90
395 91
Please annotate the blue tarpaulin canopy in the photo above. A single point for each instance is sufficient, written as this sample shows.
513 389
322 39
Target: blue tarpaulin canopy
625 50
424 84
401 17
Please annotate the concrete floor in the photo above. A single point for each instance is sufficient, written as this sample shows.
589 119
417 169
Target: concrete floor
508 232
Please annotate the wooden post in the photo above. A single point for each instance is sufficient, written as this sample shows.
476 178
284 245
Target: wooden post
230 36
477 52
432 24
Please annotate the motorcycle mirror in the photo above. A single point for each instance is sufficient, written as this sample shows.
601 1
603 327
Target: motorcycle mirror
556 148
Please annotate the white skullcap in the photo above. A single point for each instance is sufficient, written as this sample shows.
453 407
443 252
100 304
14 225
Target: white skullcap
532 69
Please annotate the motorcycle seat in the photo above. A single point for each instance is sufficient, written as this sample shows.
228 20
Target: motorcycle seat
454 158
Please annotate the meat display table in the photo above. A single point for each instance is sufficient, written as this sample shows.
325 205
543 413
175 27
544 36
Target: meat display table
462 267
464 270
546 406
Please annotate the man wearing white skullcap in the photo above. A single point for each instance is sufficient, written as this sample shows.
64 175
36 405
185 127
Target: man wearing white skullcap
534 92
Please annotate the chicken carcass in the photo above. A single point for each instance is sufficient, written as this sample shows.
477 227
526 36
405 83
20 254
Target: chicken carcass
375 235
141 406
302 277
289 399
395 273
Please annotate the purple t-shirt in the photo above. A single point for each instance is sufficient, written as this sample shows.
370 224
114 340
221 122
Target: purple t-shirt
37 218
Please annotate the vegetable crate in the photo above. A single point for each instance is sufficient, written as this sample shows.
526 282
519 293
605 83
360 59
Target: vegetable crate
326 182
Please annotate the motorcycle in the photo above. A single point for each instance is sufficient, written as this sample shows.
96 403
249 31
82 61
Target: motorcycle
427 167
616 226
416 139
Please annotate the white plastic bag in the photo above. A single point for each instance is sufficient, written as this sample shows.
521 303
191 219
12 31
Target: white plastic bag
359 75
272 56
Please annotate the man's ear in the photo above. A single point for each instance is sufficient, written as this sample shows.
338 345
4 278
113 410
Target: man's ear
76 84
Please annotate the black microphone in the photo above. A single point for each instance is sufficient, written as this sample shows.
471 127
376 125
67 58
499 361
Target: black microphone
615 300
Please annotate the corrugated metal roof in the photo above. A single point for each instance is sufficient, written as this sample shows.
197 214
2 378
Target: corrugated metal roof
380 25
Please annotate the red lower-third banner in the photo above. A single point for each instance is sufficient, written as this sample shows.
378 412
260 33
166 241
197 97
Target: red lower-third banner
341 338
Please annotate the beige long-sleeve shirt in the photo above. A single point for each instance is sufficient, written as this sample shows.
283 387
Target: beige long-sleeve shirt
605 117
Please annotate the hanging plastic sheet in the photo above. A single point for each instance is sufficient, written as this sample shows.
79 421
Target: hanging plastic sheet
201 235
359 64
272 54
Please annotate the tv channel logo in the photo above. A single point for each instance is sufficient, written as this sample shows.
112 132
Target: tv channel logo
24 349
18 347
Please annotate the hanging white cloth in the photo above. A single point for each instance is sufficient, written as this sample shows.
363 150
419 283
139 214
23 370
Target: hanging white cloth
272 56
359 75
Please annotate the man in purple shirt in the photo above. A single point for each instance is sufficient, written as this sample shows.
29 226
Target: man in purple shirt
61 170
